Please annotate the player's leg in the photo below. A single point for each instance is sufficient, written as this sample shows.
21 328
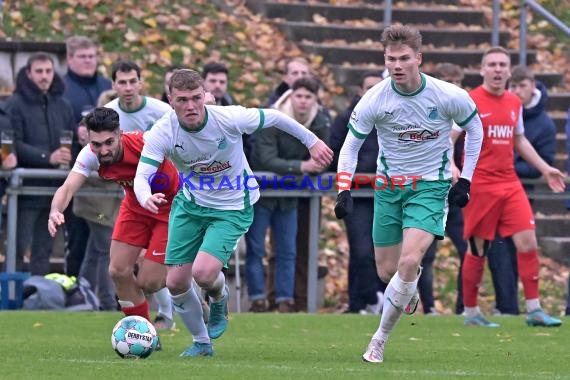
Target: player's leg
481 218
152 276
121 268
528 267
181 252
473 269
188 306
518 222
222 234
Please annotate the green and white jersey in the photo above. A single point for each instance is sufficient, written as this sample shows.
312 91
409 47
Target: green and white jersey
413 128
143 118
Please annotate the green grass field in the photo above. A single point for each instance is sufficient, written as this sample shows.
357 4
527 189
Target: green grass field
53 345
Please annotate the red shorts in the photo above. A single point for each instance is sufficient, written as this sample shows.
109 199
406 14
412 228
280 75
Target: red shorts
142 231
505 210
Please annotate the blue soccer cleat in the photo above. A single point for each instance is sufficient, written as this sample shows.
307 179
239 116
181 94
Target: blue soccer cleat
480 321
199 349
219 316
538 317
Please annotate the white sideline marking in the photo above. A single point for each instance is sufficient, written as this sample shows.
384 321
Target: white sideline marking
366 367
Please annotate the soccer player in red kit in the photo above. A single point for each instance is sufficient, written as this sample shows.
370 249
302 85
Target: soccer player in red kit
115 155
498 201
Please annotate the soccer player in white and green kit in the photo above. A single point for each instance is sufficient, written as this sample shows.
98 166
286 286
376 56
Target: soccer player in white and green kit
214 208
413 114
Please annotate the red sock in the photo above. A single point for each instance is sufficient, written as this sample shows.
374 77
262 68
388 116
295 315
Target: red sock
473 267
528 265
142 310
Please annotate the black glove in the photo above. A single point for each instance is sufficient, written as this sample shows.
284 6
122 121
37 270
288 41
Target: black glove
343 205
459 193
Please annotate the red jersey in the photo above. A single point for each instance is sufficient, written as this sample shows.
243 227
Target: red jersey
123 173
501 119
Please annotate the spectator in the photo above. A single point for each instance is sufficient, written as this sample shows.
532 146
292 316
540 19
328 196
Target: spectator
83 86
8 161
540 131
281 153
365 289
167 75
215 76
295 68
38 113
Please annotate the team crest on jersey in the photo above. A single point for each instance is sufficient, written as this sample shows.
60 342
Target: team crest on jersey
432 113
222 143
354 117
513 115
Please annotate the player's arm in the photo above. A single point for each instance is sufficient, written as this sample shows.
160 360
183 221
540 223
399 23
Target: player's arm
553 176
467 118
86 163
61 200
472 147
152 155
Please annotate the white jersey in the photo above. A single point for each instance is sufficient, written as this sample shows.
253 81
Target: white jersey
212 164
413 129
143 118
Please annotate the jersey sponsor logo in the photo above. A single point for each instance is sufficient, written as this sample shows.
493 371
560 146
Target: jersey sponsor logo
418 136
500 131
214 167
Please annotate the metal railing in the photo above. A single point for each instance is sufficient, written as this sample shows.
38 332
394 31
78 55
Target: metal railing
524 4
15 189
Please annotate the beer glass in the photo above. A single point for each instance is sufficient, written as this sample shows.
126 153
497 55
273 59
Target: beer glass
65 140
7 141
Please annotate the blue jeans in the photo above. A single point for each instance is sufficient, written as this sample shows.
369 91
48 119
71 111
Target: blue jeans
363 280
95 266
283 225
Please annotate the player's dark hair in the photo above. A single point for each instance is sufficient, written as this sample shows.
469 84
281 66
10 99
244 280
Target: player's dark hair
308 83
124 66
214 68
102 119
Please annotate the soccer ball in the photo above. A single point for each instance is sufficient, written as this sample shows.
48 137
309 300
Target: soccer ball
134 337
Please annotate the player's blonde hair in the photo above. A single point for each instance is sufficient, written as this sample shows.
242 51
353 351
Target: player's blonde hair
402 34
185 79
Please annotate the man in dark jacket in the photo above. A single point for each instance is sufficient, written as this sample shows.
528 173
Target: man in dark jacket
278 152
38 113
83 86
364 286
540 131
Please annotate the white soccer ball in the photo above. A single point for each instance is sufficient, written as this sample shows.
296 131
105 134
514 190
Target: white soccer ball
134 337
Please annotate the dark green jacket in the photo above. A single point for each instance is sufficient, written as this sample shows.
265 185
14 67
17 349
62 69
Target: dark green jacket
279 152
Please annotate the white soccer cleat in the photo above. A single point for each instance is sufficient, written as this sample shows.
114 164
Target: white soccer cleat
375 351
